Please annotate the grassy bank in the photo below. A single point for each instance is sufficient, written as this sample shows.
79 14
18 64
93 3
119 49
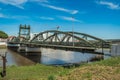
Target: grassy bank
104 70
35 72
3 46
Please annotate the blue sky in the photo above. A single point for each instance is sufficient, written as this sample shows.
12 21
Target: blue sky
100 18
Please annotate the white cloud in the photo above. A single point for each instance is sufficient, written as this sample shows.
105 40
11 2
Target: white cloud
110 5
46 18
18 17
46 1
2 15
74 11
69 19
17 3
13 1
60 9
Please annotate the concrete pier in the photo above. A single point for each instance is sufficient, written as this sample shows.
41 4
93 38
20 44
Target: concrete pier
32 50
23 48
115 50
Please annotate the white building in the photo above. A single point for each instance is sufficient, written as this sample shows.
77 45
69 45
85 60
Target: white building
115 50
3 41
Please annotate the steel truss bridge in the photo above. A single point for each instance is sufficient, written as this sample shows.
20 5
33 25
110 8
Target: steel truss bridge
62 40
76 39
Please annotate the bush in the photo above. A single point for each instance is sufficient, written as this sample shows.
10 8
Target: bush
3 35
51 77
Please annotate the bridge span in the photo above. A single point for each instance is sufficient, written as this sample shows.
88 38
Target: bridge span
61 40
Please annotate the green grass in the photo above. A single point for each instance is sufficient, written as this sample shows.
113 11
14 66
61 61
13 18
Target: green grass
3 47
103 70
35 72
115 61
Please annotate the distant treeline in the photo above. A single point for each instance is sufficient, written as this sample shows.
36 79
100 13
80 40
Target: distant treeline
114 41
3 35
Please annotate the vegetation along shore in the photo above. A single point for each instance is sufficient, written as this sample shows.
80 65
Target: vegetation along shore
103 70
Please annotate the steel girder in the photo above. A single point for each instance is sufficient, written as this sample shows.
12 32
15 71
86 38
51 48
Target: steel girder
67 38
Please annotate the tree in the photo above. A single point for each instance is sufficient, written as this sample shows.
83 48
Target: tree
3 35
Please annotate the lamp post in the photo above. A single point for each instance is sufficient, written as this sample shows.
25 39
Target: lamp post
56 34
73 32
3 73
58 28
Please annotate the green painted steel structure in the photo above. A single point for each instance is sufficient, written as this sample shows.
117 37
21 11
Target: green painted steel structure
24 31
62 40
55 37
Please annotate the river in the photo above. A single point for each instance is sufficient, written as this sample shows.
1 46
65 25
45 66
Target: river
48 57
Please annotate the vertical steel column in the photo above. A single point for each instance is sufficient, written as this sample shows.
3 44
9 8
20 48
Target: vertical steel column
102 47
73 32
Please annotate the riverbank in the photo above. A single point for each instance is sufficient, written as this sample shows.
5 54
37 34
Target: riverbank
34 72
104 70
3 46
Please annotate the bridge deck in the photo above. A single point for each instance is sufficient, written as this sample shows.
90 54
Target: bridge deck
82 49
63 47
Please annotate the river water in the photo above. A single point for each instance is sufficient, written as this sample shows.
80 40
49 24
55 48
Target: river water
48 57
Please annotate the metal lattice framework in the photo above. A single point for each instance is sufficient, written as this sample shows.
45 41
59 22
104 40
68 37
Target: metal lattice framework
55 37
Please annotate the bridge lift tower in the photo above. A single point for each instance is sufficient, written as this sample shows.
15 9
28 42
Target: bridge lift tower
24 31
